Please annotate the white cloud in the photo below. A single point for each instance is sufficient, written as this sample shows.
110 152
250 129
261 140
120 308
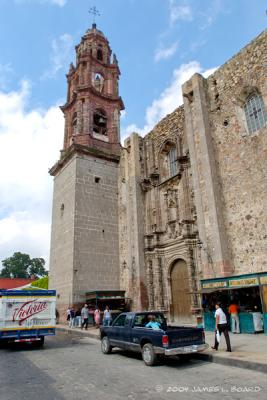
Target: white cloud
211 14
30 141
169 99
60 56
180 12
163 53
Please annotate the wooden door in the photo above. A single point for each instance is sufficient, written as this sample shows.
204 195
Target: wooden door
181 299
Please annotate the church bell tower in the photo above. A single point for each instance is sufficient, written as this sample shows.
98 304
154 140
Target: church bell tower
84 252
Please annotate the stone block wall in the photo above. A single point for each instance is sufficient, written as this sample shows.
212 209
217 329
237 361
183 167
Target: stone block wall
96 246
229 163
62 237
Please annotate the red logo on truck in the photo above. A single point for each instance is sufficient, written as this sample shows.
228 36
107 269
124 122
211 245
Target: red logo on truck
29 309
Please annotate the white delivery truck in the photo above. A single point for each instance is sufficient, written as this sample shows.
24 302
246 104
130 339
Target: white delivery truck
27 315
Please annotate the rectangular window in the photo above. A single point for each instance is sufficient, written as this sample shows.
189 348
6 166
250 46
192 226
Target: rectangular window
173 161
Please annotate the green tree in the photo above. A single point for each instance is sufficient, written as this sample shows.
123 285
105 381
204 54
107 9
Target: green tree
21 265
37 267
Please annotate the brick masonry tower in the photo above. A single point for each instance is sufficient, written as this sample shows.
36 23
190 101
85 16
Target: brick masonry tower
84 252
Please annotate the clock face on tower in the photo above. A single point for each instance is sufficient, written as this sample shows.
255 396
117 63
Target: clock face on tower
98 81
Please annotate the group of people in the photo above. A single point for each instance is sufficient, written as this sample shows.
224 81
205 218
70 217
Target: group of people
80 317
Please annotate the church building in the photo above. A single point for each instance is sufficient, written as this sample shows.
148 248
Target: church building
171 216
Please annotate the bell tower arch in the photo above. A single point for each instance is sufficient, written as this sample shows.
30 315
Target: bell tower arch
84 253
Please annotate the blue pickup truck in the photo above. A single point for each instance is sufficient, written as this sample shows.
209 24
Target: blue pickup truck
131 331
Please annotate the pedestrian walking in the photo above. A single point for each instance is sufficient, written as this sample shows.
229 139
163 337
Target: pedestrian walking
97 317
72 318
107 316
221 326
78 318
85 316
233 311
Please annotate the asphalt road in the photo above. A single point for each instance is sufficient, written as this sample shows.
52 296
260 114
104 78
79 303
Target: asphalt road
73 368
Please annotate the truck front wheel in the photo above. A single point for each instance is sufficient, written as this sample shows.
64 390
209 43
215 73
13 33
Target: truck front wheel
105 345
148 354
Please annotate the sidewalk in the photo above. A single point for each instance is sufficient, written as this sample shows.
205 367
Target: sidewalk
248 351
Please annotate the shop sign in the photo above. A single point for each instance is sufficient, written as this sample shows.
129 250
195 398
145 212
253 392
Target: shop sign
216 285
263 280
244 282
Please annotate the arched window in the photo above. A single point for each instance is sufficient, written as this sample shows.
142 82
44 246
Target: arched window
100 122
168 161
172 156
99 54
255 113
98 81
74 124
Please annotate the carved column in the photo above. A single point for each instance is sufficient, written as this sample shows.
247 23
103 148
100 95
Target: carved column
158 273
150 285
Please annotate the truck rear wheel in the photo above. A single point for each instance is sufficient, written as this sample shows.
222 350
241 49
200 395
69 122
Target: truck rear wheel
39 343
105 345
148 354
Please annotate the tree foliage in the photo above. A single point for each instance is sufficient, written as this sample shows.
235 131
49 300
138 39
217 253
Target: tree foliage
21 265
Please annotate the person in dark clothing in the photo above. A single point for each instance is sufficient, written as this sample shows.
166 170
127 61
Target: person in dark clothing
221 326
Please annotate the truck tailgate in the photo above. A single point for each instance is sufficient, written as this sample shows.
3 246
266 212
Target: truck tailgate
183 336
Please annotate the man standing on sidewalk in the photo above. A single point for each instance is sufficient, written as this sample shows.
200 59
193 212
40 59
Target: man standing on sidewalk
221 326
85 316
233 311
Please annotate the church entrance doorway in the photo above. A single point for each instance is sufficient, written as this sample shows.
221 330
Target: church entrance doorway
180 290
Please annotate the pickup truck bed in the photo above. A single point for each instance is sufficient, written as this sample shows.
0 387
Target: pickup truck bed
129 332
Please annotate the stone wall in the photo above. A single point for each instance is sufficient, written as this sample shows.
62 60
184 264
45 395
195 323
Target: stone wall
96 249
229 164
156 216
62 237
84 242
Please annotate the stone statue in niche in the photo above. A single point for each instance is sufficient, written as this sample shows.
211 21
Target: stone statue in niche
171 198
172 230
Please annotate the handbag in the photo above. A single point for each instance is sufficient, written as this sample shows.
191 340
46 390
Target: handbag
218 336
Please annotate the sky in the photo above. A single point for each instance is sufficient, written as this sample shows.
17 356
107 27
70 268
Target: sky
159 45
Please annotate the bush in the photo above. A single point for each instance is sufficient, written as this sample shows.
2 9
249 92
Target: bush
41 283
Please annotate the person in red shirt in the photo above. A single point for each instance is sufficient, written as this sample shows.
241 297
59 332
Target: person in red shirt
233 311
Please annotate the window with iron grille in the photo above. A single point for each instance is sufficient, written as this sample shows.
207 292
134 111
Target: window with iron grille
173 161
255 113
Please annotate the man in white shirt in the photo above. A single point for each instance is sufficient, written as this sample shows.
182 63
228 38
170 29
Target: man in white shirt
221 326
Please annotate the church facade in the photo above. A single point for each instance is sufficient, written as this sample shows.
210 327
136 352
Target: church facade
185 203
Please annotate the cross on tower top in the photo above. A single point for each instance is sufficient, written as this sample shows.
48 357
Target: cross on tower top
94 11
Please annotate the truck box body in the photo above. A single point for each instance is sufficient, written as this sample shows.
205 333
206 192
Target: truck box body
27 315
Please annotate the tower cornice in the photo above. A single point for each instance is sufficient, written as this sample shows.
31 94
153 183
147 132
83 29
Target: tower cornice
77 149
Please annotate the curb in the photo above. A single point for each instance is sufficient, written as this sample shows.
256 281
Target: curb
232 362
79 332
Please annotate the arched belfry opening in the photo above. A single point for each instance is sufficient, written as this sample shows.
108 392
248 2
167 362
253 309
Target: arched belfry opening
180 292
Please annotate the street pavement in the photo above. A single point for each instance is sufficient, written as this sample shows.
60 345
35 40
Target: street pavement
72 367
248 351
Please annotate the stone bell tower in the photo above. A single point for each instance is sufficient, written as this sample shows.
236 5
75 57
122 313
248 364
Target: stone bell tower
84 240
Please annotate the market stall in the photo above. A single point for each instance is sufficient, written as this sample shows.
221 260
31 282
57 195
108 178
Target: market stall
115 299
249 292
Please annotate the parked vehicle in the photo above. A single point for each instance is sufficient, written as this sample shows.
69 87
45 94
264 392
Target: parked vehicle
129 332
27 315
